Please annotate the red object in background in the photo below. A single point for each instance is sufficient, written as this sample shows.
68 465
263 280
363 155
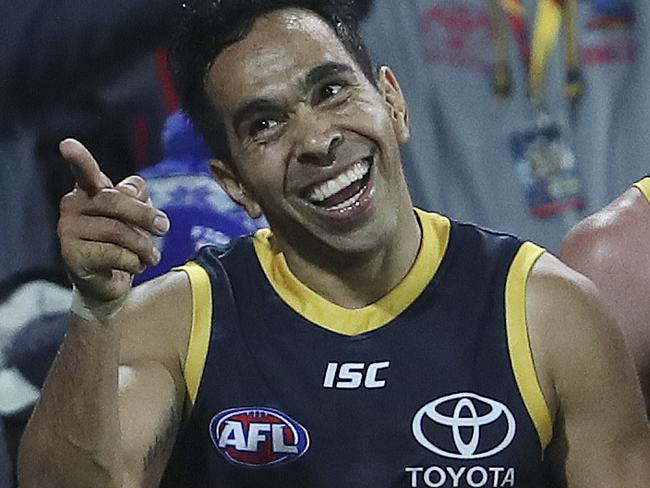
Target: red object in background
141 142
164 73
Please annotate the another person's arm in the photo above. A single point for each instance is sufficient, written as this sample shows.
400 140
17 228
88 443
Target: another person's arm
111 405
612 249
601 434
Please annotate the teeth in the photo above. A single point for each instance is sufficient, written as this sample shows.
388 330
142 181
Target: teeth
349 202
331 187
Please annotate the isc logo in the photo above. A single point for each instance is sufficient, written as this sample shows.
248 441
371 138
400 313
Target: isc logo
256 436
352 375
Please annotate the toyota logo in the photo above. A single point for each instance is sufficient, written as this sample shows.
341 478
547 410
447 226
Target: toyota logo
461 413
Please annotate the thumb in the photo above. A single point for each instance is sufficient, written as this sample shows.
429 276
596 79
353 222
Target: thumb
84 167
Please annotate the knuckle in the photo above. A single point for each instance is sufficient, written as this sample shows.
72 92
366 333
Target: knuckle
117 204
67 202
67 255
127 260
145 243
143 217
108 196
138 181
63 229
75 257
122 254
127 238
89 253
118 232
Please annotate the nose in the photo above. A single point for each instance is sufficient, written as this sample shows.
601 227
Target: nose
318 146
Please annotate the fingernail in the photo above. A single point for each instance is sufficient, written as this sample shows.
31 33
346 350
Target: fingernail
161 223
156 255
131 190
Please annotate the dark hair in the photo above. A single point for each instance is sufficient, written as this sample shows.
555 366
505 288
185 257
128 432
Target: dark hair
210 26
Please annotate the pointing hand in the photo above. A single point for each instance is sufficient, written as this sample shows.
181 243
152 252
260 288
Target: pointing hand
105 230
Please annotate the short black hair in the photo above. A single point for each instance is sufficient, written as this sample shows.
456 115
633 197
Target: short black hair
210 26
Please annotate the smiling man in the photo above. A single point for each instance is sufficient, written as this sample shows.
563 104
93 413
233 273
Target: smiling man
358 342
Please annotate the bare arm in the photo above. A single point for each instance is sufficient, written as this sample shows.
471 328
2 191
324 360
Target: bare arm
602 437
110 407
152 388
612 249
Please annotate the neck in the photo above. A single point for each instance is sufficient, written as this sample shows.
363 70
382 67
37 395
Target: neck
354 281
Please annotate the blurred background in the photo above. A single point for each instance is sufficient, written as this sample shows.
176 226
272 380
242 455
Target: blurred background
526 116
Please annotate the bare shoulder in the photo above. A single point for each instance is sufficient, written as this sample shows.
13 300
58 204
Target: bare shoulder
157 319
612 248
155 326
565 308
599 241
568 326
588 380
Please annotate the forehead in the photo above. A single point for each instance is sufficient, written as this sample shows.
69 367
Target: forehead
274 57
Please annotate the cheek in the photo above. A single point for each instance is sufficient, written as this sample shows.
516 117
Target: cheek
371 120
264 179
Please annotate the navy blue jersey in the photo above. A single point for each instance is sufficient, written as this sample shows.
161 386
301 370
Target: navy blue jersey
433 385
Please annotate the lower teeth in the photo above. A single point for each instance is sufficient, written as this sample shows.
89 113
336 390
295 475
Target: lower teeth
349 202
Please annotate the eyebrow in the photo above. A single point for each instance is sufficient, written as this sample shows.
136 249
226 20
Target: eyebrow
315 76
320 72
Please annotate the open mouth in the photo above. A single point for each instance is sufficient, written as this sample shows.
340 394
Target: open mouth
344 191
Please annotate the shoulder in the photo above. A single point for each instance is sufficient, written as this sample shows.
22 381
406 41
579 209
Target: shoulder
552 282
587 378
166 291
157 318
599 241
612 248
569 327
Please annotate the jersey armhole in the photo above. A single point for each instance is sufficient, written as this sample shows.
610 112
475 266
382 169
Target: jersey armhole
644 187
197 349
521 357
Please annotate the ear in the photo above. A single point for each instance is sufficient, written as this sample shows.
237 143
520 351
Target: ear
396 103
229 180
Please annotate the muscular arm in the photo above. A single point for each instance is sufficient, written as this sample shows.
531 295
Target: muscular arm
152 390
601 437
612 249
110 407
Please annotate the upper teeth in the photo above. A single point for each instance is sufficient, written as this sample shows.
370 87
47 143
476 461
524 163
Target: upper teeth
331 187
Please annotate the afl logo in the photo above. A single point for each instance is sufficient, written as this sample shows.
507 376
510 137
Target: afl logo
464 426
258 436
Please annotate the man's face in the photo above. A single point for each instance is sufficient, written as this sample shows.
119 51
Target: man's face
314 144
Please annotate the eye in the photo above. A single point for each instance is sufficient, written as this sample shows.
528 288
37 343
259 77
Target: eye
331 90
263 125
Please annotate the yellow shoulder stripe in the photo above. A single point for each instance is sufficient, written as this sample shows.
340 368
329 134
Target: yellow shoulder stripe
197 350
644 186
521 355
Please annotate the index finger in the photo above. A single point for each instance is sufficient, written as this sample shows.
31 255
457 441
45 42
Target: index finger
84 167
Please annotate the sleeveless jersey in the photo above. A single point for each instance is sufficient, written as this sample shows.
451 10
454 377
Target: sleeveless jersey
432 385
644 187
